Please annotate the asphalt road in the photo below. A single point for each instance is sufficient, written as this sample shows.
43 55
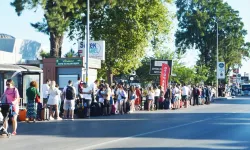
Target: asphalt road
221 125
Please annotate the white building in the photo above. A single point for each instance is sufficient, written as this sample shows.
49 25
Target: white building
13 51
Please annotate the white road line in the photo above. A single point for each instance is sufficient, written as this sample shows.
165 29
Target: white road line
146 133
151 132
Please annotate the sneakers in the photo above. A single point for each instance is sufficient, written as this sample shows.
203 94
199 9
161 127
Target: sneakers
51 118
58 118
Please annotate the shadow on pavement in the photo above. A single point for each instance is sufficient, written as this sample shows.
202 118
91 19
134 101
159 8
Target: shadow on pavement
232 128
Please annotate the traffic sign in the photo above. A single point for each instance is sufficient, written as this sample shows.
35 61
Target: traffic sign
155 66
221 70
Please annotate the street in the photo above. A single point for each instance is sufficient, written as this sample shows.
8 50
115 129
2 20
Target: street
222 125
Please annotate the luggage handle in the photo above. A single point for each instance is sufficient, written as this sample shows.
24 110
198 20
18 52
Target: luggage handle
21 104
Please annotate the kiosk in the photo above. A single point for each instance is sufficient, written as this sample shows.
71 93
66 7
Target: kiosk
62 70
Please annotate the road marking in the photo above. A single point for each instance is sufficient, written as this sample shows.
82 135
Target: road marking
146 133
155 131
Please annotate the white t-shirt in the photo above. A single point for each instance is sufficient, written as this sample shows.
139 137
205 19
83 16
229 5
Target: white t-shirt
76 84
151 95
64 91
176 91
157 92
184 90
87 96
93 87
45 90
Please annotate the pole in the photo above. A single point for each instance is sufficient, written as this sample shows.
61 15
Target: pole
87 45
217 57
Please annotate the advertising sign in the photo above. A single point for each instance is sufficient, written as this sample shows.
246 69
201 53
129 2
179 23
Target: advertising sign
68 62
165 71
156 66
96 49
221 70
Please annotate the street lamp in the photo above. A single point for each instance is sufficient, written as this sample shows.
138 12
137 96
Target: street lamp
217 57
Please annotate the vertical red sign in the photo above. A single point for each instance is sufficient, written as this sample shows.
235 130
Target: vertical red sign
165 70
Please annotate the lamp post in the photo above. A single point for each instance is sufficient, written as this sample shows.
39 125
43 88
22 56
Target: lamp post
87 44
217 57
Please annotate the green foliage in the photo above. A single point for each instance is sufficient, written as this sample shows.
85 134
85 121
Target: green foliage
44 54
126 27
197 29
71 54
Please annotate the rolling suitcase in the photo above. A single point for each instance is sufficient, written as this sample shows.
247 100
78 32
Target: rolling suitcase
45 114
96 109
22 111
39 110
167 104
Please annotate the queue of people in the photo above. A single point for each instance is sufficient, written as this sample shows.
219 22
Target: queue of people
83 101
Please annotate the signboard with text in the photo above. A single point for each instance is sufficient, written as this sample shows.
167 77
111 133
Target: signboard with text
68 62
96 49
156 65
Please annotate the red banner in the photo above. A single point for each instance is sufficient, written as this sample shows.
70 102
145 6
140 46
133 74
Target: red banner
165 70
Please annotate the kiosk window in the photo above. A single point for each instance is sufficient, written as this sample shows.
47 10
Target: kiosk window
63 80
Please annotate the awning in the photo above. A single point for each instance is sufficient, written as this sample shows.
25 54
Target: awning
9 67
31 68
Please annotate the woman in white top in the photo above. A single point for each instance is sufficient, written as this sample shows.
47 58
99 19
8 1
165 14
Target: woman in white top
151 96
53 100
86 91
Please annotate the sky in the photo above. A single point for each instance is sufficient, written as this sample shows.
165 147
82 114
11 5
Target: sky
20 28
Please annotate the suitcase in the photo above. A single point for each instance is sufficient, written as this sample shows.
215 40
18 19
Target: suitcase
81 112
22 111
113 109
167 104
145 105
161 105
39 110
45 114
96 109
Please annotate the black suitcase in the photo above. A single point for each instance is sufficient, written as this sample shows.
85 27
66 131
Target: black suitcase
127 107
161 105
166 104
96 109
146 105
39 110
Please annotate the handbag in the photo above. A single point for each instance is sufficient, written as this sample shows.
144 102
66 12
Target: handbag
37 99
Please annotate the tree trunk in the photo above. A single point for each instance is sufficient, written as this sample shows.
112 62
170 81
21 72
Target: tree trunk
110 76
55 45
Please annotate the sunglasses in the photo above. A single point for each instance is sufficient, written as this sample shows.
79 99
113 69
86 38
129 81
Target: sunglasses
7 84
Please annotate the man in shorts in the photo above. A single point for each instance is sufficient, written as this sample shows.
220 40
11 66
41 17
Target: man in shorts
184 95
69 93
45 90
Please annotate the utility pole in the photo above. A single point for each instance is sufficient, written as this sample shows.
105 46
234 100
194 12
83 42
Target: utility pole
217 55
87 45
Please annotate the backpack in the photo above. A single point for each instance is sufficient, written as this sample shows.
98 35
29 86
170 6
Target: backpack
70 93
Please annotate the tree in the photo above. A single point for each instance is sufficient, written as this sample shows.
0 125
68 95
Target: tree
197 29
58 15
44 54
126 27
71 54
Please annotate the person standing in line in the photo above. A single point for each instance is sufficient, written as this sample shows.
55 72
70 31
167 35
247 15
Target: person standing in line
31 94
94 89
185 94
121 97
12 97
86 91
150 98
69 93
138 97
106 96
45 91
59 99
53 100
76 86
132 96
157 96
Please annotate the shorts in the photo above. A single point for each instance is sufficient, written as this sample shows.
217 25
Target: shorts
45 100
184 97
69 105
